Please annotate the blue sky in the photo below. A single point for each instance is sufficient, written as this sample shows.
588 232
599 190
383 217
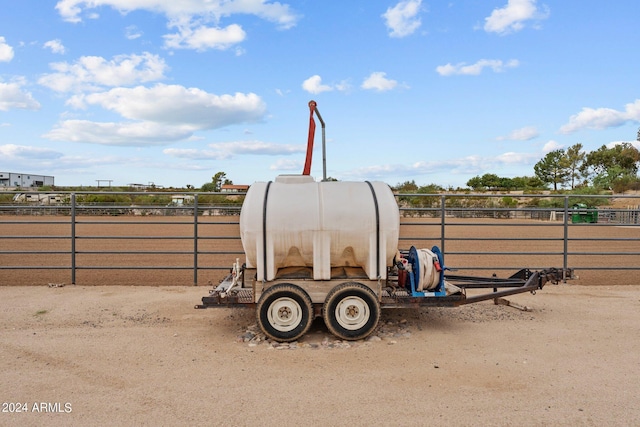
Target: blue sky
171 92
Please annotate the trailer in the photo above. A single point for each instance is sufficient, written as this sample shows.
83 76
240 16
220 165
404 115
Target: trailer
330 249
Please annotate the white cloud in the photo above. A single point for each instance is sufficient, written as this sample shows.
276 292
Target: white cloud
512 158
287 165
473 164
6 51
158 115
95 72
118 134
612 144
191 17
180 106
475 69
56 46
195 154
227 150
523 134
314 85
551 145
602 118
512 17
12 96
401 19
14 152
378 81
258 147
202 38
132 32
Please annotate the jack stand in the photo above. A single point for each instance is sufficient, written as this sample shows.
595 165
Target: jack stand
503 301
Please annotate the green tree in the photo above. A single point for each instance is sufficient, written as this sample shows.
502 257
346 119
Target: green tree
410 187
607 165
406 187
519 182
507 184
216 182
429 189
624 155
490 181
534 182
553 168
575 158
475 183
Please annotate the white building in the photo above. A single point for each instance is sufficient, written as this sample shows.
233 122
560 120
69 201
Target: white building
12 179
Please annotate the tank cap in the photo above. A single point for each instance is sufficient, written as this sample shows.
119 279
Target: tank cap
294 179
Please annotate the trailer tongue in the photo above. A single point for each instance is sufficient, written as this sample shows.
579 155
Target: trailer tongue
329 249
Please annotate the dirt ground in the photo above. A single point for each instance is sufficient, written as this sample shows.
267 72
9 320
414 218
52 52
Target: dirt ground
100 353
115 355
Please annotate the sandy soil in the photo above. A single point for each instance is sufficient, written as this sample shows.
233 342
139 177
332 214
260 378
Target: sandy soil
107 354
114 355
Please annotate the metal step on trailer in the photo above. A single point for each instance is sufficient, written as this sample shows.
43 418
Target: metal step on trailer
240 297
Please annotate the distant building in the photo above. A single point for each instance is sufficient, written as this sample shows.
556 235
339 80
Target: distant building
139 186
182 199
233 188
22 180
149 186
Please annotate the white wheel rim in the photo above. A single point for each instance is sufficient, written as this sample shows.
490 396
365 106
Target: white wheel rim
284 314
352 313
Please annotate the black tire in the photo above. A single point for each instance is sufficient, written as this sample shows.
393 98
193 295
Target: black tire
284 312
351 311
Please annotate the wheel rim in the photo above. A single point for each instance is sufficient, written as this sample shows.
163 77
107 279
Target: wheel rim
284 314
352 313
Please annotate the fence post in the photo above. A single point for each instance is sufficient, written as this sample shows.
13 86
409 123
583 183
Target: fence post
73 238
195 240
565 264
442 203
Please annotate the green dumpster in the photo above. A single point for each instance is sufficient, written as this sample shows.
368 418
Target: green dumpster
583 214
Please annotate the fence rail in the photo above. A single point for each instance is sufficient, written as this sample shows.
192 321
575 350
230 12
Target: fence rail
62 237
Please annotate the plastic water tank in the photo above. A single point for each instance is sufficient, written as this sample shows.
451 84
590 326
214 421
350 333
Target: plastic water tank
296 221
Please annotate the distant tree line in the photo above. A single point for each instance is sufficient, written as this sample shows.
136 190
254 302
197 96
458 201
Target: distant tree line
490 181
614 168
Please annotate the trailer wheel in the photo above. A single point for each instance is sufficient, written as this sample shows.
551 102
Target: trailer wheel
284 312
351 311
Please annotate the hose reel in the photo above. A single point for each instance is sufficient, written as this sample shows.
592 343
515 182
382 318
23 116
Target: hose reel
427 269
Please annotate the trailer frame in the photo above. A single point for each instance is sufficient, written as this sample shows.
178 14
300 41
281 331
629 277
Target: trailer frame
392 296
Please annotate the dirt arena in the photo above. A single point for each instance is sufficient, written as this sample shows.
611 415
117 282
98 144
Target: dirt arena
107 354
152 242
114 355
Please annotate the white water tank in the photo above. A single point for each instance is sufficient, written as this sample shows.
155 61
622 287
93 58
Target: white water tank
296 221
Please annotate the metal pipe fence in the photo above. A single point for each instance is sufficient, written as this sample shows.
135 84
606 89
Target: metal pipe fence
76 233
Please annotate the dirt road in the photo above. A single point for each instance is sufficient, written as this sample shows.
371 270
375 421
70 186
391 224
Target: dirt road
114 355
